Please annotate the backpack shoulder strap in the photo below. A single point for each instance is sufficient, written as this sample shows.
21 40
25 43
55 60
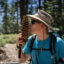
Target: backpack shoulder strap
31 45
52 43
54 40
52 47
32 41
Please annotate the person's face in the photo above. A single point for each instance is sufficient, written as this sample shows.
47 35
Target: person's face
36 27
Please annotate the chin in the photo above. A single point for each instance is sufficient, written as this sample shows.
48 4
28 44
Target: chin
33 33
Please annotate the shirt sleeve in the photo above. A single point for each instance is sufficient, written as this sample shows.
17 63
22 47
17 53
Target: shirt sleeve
26 48
61 48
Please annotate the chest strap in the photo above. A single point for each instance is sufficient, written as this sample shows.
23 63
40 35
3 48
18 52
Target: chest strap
41 49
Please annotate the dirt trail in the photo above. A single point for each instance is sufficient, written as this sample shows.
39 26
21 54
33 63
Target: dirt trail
11 55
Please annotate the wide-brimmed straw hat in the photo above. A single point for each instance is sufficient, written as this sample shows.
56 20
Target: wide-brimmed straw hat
43 17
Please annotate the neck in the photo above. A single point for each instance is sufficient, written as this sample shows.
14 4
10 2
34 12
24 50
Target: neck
42 36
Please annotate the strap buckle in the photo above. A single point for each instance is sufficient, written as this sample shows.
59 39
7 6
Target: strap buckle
41 49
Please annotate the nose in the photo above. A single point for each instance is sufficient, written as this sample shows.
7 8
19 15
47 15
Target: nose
30 25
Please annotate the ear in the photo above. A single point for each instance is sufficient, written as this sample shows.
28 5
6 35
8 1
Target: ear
42 25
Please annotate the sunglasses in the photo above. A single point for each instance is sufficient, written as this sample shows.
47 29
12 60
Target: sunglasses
31 21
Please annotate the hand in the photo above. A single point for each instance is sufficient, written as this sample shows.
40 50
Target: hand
19 40
24 57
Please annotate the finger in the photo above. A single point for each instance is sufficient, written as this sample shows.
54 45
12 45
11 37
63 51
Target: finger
20 34
20 41
19 38
19 44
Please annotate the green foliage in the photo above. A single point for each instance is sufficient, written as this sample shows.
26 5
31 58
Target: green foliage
55 8
2 42
0 28
4 39
9 18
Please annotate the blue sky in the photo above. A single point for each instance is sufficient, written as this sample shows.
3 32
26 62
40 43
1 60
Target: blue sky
9 1
1 15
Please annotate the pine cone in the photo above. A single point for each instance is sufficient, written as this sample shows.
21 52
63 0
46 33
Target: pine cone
25 29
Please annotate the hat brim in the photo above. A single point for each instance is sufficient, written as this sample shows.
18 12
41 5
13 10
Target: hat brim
37 18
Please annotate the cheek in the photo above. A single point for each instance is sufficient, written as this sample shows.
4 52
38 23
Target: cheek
35 28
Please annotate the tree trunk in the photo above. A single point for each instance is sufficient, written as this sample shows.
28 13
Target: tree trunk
39 4
22 9
26 6
6 21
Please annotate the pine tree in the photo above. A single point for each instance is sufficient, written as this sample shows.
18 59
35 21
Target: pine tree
5 18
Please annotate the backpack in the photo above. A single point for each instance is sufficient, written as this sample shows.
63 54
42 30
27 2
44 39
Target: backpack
51 48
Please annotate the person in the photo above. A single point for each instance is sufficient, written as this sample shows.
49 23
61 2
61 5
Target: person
40 25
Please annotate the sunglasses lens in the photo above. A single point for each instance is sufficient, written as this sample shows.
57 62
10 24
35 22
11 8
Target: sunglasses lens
32 22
